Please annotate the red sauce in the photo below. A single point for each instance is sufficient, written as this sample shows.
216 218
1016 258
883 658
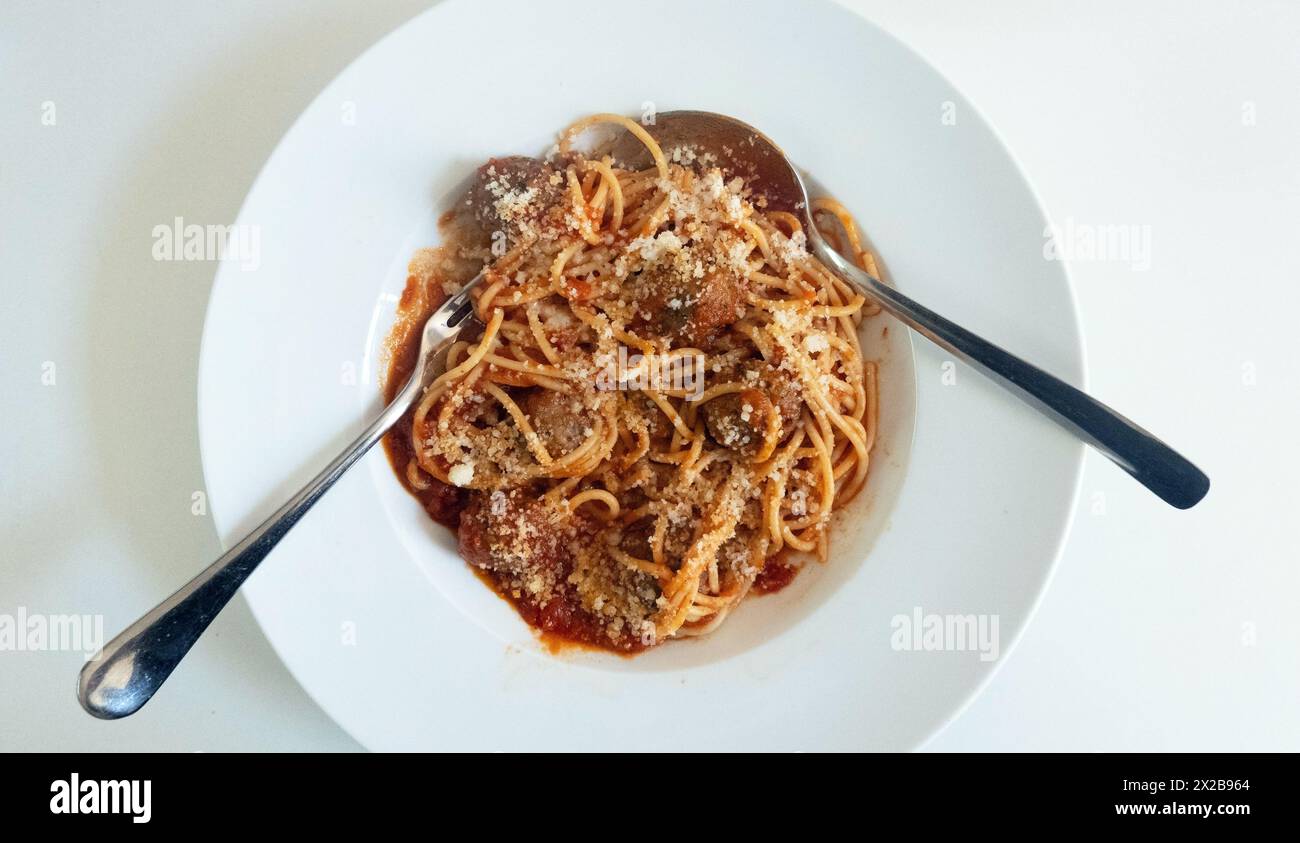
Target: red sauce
776 575
563 624
566 631
443 503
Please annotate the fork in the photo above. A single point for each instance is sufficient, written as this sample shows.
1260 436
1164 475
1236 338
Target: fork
126 673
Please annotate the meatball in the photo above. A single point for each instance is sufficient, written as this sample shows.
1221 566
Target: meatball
689 310
636 540
559 419
740 420
511 195
514 535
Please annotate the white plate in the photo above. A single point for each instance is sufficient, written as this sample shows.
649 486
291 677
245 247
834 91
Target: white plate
367 602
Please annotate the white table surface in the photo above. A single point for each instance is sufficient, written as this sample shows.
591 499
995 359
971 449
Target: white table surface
1161 630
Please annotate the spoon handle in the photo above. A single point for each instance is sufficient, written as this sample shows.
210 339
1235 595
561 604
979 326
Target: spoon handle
1151 462
130 668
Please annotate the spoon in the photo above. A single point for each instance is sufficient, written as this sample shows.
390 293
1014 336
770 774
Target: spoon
742 150
129 669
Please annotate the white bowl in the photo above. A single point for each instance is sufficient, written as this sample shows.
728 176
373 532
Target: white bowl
366 600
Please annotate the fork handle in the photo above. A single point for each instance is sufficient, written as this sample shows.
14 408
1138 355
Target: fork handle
129 669
133 666
1151 462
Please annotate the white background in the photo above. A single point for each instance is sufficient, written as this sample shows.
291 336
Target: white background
1161 630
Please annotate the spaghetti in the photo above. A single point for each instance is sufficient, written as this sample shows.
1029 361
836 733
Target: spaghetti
669 395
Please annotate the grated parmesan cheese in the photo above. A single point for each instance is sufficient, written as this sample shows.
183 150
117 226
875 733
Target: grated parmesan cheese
461 474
